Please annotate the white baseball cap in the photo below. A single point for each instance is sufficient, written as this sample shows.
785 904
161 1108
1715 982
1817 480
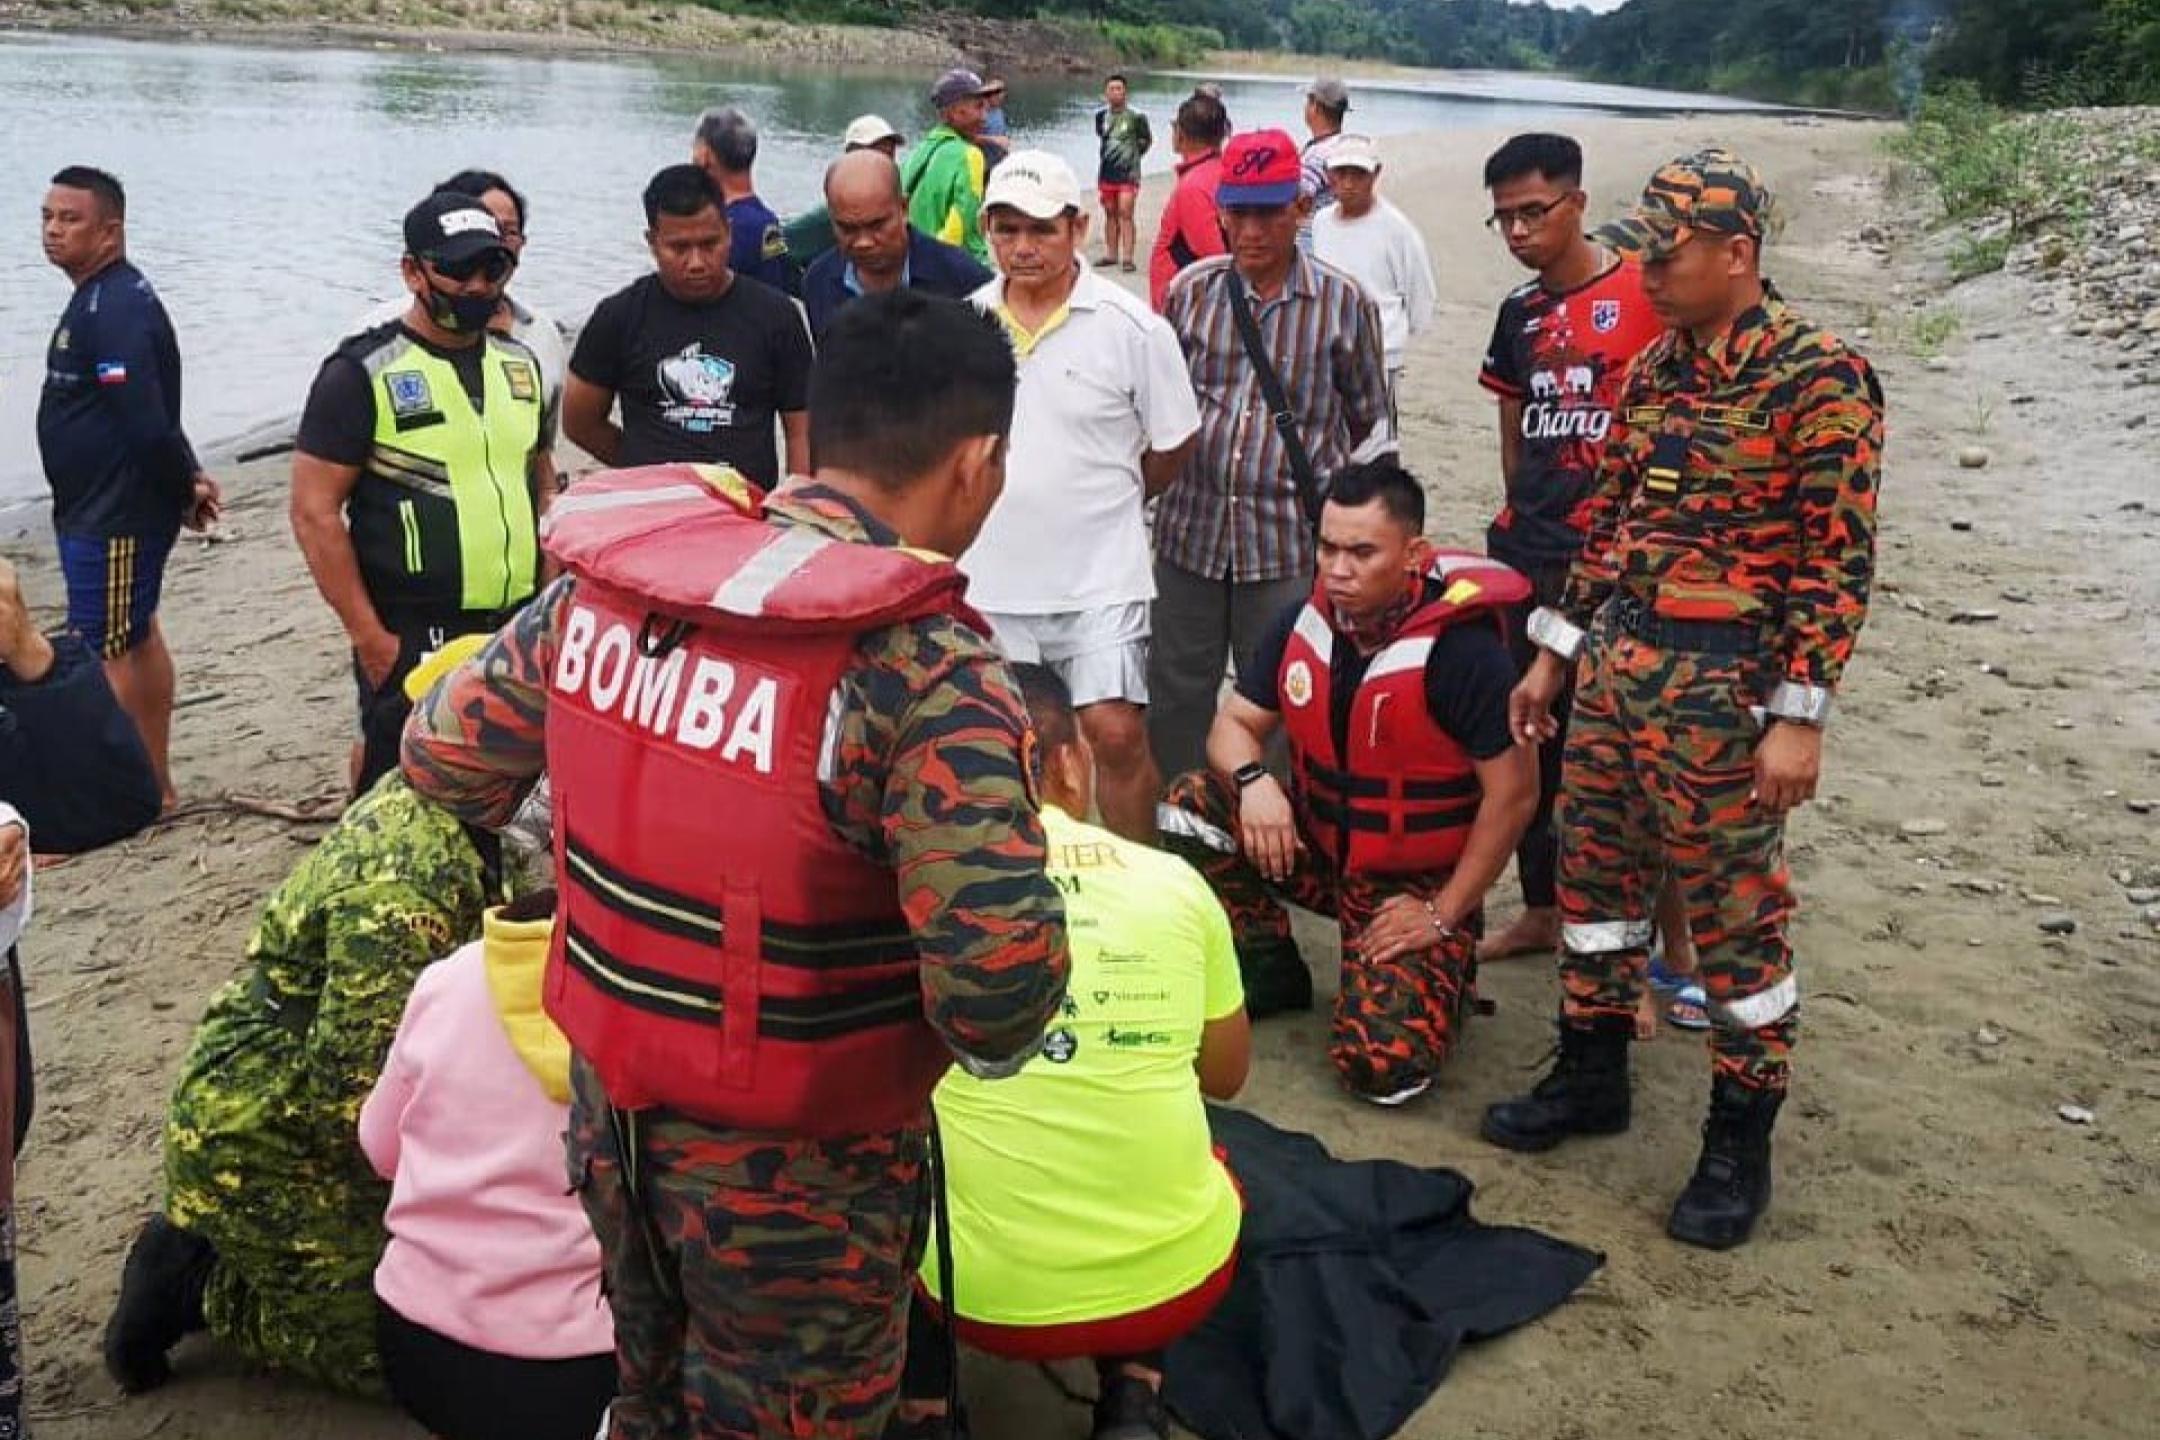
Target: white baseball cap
1353 152
865 131
1034 182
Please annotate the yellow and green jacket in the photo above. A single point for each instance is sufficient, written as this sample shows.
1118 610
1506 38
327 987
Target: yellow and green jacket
943 178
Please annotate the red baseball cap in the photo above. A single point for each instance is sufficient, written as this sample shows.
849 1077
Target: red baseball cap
1260 169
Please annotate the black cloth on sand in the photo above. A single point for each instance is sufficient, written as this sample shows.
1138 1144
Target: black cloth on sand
1357 1282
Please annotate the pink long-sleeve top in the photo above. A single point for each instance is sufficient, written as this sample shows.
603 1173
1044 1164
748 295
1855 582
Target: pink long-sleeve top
487 1246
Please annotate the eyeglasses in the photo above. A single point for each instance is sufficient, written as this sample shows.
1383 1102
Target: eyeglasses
1529 216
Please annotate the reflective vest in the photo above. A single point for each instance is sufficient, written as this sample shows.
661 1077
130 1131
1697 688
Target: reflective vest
719 951
442 518
1401 800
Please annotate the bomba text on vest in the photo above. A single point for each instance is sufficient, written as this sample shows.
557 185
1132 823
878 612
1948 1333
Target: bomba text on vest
678 696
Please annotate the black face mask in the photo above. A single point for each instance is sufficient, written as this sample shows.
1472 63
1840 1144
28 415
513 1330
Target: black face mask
461 314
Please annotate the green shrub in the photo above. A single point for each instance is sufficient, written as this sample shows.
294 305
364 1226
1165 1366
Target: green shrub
1931 329
1160 44
1984 163
1973 258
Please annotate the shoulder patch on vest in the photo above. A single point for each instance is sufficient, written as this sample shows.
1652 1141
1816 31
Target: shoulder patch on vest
1461 592
1297 683
519 376
409 393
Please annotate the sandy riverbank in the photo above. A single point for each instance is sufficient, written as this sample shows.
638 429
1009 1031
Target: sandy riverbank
1946 1257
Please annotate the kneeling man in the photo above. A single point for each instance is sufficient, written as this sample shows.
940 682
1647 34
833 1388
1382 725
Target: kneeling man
1391 685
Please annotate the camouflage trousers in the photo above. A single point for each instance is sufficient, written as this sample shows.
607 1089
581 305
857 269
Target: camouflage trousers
311 1316
1657 778
759 1285
1394 1024
298 1229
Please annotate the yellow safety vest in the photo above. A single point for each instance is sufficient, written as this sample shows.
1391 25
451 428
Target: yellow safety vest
444 516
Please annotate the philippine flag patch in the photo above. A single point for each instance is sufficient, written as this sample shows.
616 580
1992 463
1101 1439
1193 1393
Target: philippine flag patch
111 372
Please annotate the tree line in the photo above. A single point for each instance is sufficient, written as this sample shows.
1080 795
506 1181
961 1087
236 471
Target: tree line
1861 54
1882 54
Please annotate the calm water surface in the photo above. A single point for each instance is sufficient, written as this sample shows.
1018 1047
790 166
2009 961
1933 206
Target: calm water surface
265 186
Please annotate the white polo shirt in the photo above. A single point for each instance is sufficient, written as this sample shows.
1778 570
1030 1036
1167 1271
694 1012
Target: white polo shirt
1100 385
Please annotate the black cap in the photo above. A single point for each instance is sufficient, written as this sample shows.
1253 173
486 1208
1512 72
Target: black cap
450 229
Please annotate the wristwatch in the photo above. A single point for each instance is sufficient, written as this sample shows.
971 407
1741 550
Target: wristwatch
1245 774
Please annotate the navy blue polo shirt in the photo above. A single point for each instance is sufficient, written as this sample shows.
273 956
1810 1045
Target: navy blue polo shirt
932 267
108 420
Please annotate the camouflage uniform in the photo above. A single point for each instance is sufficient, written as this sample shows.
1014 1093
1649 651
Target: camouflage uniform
1722 586
261 1158
1394 1024
760 1282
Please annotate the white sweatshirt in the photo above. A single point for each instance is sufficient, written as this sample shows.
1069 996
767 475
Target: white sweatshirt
1384 253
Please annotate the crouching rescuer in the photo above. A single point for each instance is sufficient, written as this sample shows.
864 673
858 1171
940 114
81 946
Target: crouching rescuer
802 870
1407 795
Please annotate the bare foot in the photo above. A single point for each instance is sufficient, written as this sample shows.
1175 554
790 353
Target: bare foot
1646 1014
1534 932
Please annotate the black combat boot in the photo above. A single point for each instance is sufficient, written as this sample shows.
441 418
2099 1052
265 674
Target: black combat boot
161 1299
1585 1093
1276 978
1731 1187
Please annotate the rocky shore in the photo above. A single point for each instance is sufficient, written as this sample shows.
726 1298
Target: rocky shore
2095 271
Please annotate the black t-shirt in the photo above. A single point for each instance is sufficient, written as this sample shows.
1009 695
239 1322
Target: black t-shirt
1468 678
338 422
699 382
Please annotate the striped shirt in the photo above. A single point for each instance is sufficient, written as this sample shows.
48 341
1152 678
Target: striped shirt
1234 512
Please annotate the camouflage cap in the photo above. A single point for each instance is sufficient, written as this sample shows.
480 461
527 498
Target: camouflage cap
1711 189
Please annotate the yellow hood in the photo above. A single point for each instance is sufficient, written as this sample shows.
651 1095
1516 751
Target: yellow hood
515 952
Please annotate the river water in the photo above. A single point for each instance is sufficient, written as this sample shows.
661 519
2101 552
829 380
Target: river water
265 186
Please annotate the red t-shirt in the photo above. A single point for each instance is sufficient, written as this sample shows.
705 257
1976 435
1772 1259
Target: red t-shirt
1188 230
1562 356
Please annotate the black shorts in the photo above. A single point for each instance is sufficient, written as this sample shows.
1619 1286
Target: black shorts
459 1393
383 707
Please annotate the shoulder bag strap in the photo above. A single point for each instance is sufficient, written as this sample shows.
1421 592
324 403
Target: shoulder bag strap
1310 491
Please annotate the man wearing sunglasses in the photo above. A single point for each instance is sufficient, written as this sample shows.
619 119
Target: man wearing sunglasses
422 468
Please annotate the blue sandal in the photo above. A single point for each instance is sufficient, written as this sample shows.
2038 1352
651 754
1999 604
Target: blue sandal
1690 1008
1662 980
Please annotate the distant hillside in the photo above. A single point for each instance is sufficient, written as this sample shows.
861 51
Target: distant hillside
1468 34
1878 54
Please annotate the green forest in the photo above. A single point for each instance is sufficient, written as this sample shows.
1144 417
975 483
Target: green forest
1877 55
1881 54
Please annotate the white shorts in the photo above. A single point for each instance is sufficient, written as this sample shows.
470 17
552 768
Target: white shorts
1100 654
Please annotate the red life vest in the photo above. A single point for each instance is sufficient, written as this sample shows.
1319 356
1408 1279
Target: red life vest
1402 799
718 950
